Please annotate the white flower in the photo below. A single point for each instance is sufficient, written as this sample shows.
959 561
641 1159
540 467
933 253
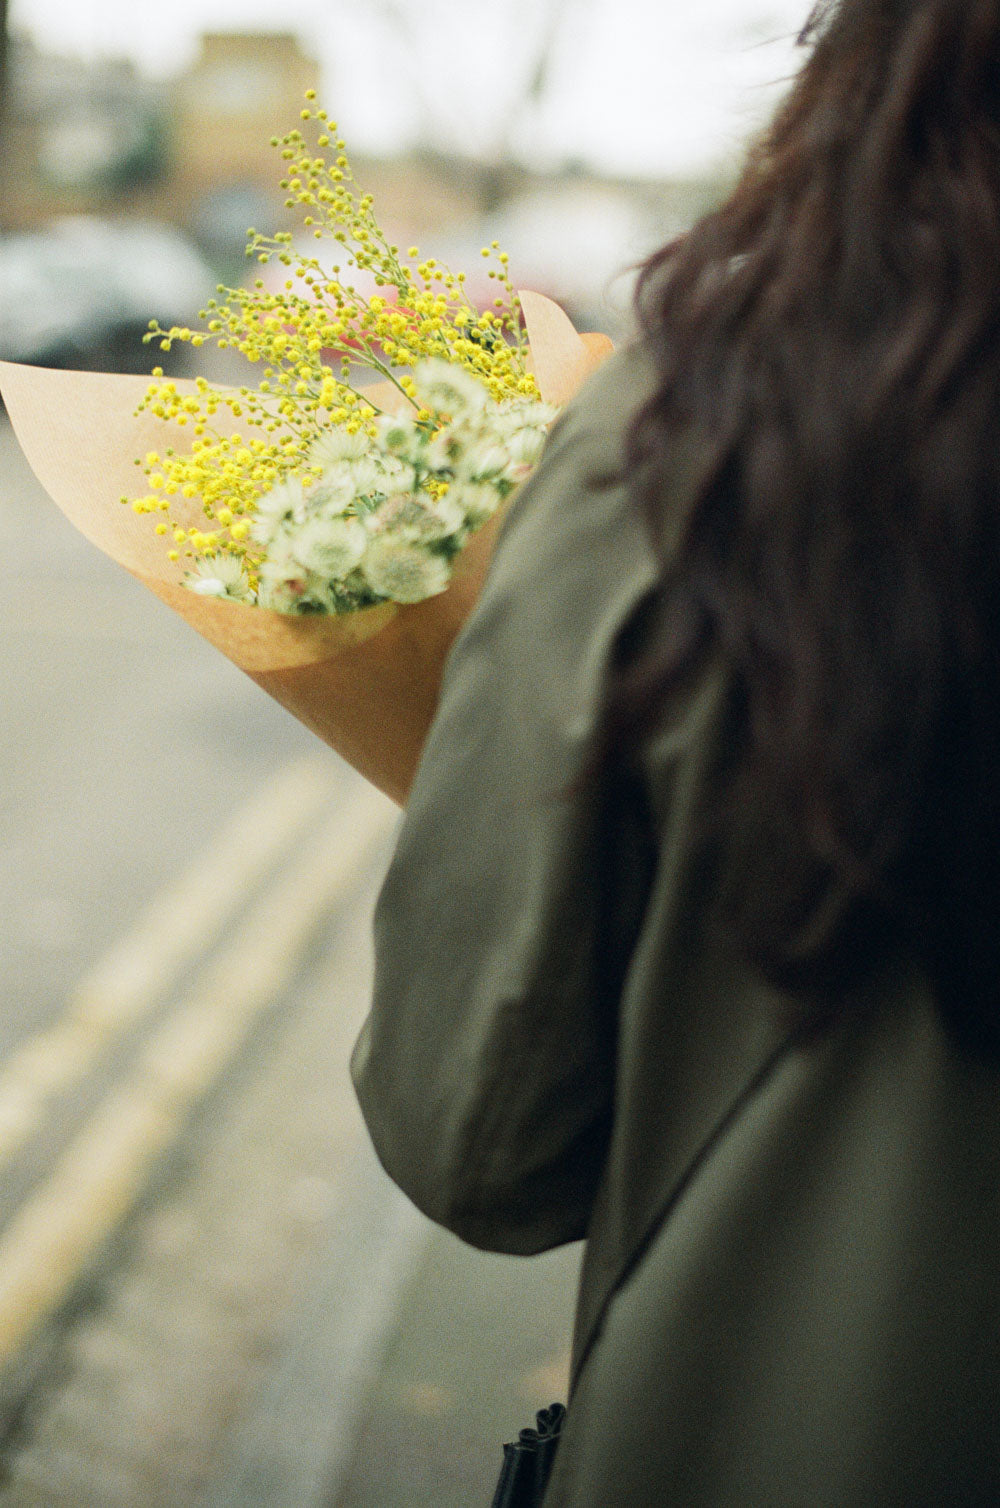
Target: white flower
277 590
345 480
277 596
448 512
287 587
219 576
337 445
514 413
485 460
330 546
445 450
395 475
398 434
432 519
449 389
477 500
283 501
415 519
334 489
402 571
524 446
389 514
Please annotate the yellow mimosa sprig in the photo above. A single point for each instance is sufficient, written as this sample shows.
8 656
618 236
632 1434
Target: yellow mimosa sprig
309 338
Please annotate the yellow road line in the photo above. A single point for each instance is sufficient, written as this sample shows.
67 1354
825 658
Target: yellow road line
185 918
66 1221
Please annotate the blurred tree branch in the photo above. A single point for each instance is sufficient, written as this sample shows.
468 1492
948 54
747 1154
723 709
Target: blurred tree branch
533 30
542 20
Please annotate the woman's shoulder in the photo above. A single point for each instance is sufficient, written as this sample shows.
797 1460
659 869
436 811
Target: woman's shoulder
574 515
601 413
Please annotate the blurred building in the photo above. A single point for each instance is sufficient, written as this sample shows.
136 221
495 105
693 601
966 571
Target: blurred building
101 140
243 89
79 138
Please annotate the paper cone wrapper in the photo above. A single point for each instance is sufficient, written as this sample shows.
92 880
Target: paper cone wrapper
366 682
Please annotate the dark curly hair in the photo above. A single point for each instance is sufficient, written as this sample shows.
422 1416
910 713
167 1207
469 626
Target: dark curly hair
831 334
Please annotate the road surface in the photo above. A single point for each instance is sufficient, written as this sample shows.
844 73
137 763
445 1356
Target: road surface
209 1292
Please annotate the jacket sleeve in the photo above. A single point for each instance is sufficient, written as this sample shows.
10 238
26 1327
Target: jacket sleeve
485 1070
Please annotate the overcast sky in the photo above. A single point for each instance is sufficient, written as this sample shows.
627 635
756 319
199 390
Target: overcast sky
633 85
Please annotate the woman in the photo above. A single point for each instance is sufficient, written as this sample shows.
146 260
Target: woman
690 946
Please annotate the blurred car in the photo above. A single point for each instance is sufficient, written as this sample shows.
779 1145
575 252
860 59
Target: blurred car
82 292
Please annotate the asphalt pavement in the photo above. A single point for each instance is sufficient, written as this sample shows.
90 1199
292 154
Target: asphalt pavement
210 1294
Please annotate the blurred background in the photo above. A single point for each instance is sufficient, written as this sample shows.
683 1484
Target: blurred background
209 1293
580 133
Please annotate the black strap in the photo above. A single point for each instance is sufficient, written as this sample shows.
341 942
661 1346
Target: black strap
527 1461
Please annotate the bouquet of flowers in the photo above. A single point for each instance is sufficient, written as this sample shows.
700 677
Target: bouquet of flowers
329 537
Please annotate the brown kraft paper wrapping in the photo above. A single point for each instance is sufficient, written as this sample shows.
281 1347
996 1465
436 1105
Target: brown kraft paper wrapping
367 682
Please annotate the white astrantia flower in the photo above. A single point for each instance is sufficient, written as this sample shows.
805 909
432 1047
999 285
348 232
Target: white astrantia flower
337 445
284 501
336 487
396 475
402 571
448 513
220 576
524 446
477 501
346 480
277 595
426 521
408 518
280 563
285 586
330 547
485 460
444 453
367 474
514 414
448 389
398 434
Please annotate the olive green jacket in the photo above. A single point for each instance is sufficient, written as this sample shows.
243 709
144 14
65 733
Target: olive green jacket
563 1044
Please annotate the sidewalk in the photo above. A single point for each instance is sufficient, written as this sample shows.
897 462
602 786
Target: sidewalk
275 1326
410 1360
479 1345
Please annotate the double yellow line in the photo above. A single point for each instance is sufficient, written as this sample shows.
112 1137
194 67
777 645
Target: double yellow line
51 1237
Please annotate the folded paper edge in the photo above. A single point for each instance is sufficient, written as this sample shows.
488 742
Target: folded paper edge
253 638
